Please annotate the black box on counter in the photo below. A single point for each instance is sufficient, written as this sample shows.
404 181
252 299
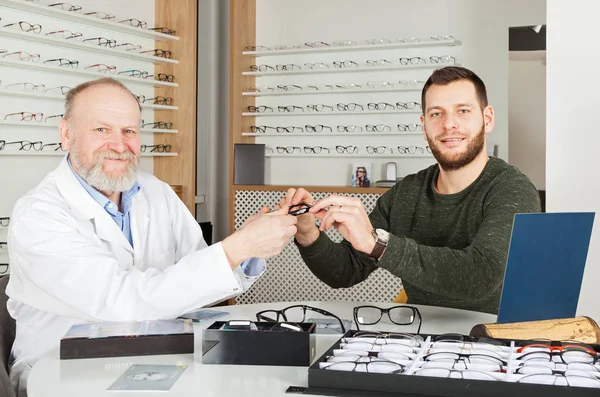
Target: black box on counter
137 338
262 346
407 383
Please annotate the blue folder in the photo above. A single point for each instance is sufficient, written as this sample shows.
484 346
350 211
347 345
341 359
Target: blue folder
545 265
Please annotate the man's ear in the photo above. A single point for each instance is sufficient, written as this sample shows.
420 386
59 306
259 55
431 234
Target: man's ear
423 125
65 134
488 119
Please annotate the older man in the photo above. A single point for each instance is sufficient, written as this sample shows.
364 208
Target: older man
97 240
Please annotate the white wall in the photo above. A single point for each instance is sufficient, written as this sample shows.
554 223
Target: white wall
527 114
572 140
18 174
482 26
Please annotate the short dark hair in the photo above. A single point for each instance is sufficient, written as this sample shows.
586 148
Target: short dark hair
450 74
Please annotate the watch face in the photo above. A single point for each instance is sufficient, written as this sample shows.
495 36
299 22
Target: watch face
382 234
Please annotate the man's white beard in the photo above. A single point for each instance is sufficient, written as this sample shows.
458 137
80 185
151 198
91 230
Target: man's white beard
95 176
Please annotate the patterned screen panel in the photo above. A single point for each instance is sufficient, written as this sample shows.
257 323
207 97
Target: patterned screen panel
287 277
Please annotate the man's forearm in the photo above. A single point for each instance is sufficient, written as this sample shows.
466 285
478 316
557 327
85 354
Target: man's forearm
336 264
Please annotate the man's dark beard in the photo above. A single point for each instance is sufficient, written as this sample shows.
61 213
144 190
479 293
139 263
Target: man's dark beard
453 163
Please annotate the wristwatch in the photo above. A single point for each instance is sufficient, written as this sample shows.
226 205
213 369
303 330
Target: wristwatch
381 241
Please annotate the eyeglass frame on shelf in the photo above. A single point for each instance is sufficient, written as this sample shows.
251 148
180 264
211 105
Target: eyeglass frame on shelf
158 148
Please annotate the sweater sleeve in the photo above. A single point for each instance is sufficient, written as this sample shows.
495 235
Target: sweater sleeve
339 265
476 271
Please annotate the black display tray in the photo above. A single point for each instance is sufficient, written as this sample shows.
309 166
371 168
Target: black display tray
345 383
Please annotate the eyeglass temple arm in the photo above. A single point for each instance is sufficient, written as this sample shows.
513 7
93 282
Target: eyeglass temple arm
262 317
355 318
13 114
326 313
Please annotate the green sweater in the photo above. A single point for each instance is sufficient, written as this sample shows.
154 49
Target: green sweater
449 250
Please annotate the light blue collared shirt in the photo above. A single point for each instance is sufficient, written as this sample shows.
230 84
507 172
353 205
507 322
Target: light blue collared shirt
122 219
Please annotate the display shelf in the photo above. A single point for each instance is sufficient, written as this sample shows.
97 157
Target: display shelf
76 45
57 13
39 95
55 126
336 91
348 134
6 152
332 70
76 72
355 48
363 113
358 155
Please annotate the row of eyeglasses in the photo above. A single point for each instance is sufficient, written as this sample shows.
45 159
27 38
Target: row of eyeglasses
39 146
340 128
63 89
443 59
97 67
136 23
344 43
452 357
341 86
350 149
28 145
27 27
342 107
29 116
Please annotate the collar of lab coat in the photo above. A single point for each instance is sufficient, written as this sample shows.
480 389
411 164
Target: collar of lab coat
84 207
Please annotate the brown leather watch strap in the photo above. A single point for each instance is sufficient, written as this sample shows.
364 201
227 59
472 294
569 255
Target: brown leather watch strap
377 250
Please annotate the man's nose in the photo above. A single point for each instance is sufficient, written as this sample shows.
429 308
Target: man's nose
451 122
116 142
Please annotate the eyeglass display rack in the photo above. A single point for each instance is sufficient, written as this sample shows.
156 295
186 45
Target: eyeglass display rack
370 69
344 383
337 91
58 13
75 45
39 95
11 124
356 47
354 113
41 67
244 32
61 153
333 70
356 156
55 12
310 134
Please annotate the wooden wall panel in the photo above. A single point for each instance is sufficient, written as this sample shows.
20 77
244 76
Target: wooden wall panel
242 34
182 16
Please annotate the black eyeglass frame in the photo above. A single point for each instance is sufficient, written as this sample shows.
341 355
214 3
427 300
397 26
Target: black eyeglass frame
261 317
416 313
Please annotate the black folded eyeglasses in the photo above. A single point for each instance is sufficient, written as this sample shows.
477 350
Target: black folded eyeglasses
299 209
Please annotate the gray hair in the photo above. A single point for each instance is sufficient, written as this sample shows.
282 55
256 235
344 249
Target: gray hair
72 94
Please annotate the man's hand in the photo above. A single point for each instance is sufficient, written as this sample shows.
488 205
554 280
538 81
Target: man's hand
263 235
349 217
307 232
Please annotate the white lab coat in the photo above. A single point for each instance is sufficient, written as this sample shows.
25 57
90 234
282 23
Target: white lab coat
71 263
